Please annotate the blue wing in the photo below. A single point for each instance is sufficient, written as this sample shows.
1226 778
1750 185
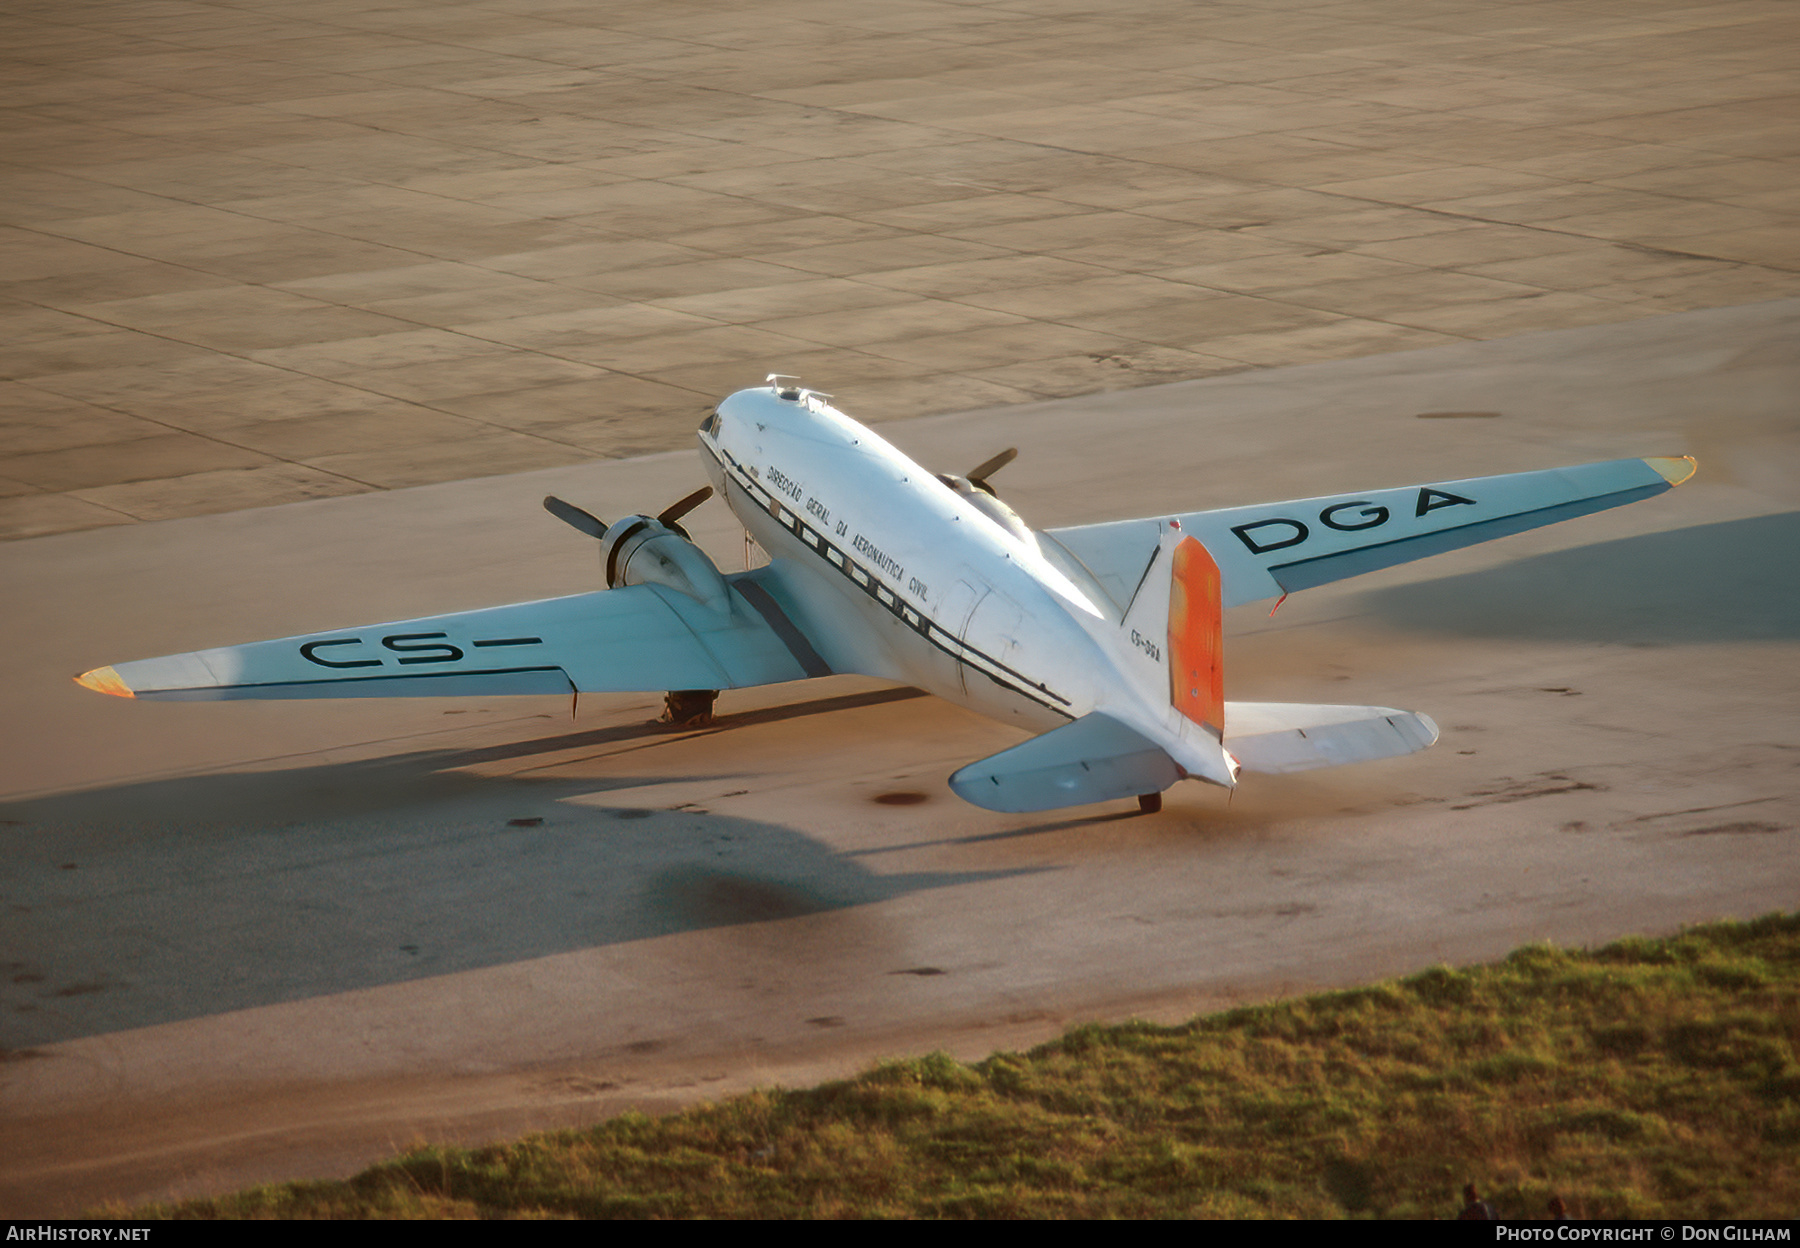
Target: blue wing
1278 548
641 638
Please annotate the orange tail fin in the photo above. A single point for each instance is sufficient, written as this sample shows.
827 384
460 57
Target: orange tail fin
1196 638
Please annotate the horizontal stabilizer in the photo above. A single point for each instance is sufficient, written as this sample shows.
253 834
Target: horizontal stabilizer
1094 759
1276 737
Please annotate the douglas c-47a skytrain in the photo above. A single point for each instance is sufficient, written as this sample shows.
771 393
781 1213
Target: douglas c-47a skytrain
1104 638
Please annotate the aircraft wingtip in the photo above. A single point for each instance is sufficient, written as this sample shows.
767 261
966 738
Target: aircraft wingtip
1675 469
105 680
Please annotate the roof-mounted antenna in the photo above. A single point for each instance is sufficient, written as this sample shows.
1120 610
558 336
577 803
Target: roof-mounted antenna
784 386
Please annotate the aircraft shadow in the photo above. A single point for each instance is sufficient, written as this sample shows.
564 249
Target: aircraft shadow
179 898
1010 834
1734 581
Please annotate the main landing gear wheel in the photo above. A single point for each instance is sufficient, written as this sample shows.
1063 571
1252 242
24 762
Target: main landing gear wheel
688 708
1149 803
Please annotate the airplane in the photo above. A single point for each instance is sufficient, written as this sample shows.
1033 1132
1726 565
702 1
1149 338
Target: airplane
1104 639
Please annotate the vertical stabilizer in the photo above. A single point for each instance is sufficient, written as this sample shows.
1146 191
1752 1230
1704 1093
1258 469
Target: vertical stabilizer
1176 663
1196 638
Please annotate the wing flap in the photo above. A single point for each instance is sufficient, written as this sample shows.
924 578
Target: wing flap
1277 548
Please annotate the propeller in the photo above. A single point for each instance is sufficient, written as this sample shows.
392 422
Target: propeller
595 527
679 509
978 475
574 516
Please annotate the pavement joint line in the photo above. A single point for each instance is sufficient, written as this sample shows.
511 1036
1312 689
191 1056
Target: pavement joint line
1617 110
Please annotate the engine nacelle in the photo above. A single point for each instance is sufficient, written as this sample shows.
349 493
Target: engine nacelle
984 500
640 550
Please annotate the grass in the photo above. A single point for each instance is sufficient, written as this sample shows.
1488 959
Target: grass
1647 1079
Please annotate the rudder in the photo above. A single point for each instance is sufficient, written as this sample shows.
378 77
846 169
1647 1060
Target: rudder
1196 638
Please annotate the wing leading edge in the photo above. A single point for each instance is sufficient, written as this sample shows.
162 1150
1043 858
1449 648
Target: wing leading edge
1277 548
640 638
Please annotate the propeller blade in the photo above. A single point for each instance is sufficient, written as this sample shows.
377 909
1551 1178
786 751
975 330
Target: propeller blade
574 516
675 512
978 476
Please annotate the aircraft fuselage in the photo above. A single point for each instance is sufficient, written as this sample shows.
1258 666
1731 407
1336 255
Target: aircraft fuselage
939 588
922 584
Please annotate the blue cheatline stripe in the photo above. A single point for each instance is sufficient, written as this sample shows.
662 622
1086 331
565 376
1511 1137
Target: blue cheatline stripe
777 619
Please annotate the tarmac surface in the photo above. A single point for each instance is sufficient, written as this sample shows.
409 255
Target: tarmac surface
287 292
251 941
253 253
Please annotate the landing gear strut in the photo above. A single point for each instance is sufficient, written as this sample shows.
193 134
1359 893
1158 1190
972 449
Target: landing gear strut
1149 803
688 708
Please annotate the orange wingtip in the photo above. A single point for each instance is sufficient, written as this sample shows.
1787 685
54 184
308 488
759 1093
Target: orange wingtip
105 680
1677 469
